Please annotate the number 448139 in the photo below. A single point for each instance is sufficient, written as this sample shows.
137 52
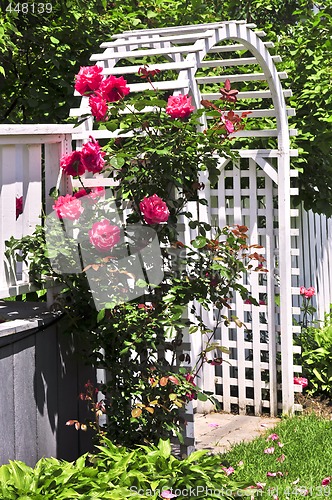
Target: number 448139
33 8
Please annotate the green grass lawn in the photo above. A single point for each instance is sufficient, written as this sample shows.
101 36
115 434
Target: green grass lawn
306 459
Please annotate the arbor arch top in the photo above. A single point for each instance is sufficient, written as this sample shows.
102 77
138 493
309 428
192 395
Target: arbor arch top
189 53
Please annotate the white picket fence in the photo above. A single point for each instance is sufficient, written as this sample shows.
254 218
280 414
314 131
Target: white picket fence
25 152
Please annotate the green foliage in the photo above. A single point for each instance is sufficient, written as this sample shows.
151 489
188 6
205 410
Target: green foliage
317 357
117 473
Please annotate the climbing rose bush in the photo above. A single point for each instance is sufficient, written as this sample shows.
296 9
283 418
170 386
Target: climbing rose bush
155 161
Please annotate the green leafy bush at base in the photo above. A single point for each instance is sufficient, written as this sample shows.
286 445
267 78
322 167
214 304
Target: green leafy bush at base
317 357
117 473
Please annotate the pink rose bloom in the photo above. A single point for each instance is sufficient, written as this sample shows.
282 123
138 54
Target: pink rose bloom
93 156
307 292
326 481
19 206
72 164
88 79
228 124
104 236
228 471
98 107
190 378
303 382
179 106
113 89
269 451
154 210
68 207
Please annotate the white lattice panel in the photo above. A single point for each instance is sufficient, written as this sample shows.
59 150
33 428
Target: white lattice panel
249 380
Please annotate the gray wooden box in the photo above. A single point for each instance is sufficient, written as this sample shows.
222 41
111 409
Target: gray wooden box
41 377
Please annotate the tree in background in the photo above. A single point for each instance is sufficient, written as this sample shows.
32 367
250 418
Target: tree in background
40 54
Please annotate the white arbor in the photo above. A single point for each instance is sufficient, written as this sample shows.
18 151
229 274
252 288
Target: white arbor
255 191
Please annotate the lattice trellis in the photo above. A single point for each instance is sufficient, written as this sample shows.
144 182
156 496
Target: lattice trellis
255 192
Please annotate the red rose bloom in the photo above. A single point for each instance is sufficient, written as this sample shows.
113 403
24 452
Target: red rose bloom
72 164
104 236
88 79
179 106
92 156
303 382
68 207
19 206
154 210
113 89
98 107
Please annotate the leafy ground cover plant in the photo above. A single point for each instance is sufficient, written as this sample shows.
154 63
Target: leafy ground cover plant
148 472
292 462
315 340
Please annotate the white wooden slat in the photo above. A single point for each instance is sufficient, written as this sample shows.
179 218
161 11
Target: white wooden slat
179 38
7 204
109 54
34 139
32 193
268 168
329 256
265 153
261 133
325 266
192 28
254 94
239 301
270 288
128 70
242 77
320 270
35 129
235 47
175 30
255 312
225 63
